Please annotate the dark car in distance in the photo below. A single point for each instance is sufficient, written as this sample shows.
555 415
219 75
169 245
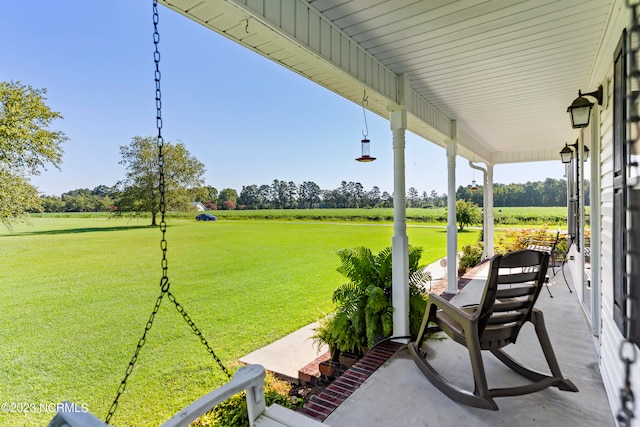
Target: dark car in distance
206 217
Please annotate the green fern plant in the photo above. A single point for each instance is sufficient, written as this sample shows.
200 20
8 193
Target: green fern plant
364 310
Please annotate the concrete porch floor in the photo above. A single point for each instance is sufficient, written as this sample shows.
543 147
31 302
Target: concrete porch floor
398 394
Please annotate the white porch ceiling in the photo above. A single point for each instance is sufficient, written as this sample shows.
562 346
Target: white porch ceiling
504 71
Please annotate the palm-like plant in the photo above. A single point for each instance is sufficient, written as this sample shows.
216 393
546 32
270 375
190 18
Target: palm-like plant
364 310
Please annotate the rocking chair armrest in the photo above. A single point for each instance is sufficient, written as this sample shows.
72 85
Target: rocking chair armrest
454 311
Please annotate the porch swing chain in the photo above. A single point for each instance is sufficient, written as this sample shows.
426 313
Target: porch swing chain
628 350
164 281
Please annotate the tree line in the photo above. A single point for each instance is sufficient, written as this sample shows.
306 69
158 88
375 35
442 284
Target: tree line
27 146
277 195
550 192
281 194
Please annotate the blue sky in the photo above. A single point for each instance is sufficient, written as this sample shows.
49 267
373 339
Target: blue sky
249 120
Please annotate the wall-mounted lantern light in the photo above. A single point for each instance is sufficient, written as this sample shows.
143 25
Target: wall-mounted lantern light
580 108
567 153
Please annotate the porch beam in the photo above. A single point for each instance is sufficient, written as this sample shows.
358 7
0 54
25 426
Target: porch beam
297 36
522 156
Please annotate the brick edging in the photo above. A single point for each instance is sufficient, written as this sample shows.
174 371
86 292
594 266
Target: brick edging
323 404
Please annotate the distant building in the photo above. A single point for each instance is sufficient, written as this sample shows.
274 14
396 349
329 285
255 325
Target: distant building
198 206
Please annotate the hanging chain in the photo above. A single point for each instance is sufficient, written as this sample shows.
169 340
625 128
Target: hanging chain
196 331
134 359
164 281
627 399
628 350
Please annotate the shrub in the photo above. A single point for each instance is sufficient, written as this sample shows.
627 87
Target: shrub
470 257
364 311
233 411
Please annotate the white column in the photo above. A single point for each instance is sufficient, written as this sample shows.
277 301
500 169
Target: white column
400 241
580 219
452 229
489 238
487 211
596 222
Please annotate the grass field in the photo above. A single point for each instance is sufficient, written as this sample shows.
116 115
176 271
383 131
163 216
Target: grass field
508 215
77 293
503 216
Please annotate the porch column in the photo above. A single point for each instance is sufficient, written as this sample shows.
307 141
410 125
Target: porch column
400 241
596 223
489 239
487 211
452 230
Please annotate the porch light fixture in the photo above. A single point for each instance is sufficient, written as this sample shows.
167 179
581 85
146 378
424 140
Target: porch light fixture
573 205
567 153
364 144
580 108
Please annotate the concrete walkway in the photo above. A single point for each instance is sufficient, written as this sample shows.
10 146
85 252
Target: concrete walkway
288 355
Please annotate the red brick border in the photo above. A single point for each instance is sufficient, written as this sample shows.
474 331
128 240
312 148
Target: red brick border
323 404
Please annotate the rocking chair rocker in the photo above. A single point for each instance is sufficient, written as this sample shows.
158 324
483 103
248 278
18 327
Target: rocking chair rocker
507 303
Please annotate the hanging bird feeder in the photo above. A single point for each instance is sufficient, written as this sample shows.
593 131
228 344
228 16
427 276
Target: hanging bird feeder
364 144
474 185
365 152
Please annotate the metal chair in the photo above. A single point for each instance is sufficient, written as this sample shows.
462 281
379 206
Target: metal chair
550 246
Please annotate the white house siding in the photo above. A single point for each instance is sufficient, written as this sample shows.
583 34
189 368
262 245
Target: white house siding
610 337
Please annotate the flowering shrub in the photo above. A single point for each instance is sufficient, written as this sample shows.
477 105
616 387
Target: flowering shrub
517 239
229 205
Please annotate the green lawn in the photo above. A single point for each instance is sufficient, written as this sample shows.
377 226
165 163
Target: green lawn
509 216
77 293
